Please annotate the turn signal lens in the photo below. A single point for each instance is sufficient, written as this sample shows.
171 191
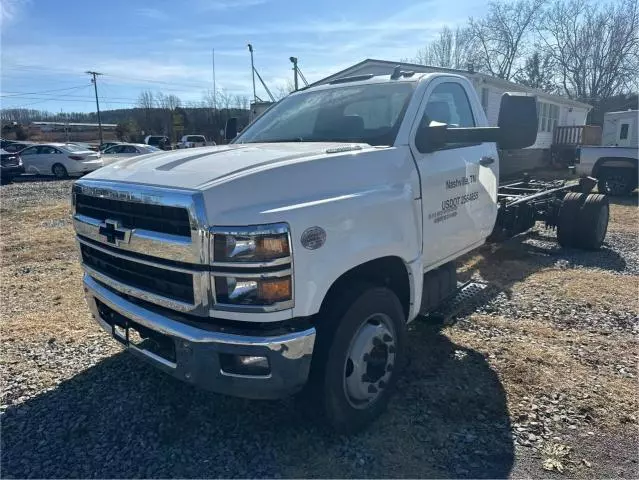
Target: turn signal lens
248 291
272 247
275 290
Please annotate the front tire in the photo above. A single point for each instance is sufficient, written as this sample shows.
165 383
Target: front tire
360 349
59 171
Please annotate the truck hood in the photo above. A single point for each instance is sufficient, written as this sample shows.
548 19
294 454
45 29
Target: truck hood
198 168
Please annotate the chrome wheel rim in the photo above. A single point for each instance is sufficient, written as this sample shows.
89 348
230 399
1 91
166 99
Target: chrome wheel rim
369 361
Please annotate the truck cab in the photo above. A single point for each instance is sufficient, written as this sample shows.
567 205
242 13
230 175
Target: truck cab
293 258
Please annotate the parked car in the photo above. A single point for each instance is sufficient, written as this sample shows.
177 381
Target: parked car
60 159
86 146
15 147
300 252
106 145
192 141
126 150
10 165
4 142
159 141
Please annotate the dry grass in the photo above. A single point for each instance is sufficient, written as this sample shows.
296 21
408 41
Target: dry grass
41 293
533 358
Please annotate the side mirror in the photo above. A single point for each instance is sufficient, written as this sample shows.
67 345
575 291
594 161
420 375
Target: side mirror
517 128
517 121
431 137
230 130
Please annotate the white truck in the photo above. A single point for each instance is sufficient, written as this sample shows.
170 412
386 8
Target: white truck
294 257
192 141
616 162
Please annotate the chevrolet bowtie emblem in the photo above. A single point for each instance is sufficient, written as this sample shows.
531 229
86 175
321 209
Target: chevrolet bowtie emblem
114 233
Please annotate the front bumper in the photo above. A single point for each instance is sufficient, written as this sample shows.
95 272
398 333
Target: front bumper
197 351
86 166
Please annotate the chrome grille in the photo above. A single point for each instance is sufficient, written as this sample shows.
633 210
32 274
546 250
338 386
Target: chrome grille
159 281
161 255
157 218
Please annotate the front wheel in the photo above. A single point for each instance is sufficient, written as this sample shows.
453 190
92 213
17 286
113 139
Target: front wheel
359 356
59 171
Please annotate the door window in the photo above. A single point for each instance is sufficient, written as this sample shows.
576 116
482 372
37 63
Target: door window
448 103
128 149
623 133
47 150
29 151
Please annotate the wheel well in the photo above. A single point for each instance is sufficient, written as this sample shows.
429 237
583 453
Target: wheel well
613 162
390 272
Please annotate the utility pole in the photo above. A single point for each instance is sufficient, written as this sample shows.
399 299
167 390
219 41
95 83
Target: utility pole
214 112
294 62
214 93
250 47
97 103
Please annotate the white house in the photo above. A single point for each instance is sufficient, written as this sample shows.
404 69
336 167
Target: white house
553 110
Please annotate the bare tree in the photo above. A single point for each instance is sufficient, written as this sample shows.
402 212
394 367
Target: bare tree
595 46
146 101
538 72
502 34
452 49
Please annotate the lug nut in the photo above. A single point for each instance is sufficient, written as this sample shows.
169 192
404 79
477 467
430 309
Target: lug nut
381 384
391 349
389 367
365 378
388 338
377 342
372 389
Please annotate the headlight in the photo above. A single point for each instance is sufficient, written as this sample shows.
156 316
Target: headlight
262 243
255 266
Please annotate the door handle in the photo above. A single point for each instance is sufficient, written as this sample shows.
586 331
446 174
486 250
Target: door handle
485 161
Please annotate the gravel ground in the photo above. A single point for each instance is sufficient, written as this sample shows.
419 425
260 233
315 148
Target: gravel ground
538 380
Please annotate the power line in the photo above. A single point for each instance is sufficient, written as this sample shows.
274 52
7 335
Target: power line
161 82
19 94
29 96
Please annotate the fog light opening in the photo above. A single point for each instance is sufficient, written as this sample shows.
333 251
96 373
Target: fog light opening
244 365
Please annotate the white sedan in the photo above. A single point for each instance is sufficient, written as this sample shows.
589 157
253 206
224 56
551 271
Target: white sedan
126 150
59 159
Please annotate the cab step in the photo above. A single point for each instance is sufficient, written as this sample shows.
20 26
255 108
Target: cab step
466 297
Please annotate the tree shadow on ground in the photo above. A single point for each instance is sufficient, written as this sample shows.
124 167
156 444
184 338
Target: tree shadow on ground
122 418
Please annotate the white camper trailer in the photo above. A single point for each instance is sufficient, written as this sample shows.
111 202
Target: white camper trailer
621 129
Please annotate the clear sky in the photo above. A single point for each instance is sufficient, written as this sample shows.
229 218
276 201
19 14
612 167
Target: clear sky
166 44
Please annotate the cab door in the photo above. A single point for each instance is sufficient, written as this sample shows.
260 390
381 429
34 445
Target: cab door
458 181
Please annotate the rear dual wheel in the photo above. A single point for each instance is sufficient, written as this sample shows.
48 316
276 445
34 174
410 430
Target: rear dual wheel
583 220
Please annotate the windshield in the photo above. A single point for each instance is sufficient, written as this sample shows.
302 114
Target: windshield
370 113
152 149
